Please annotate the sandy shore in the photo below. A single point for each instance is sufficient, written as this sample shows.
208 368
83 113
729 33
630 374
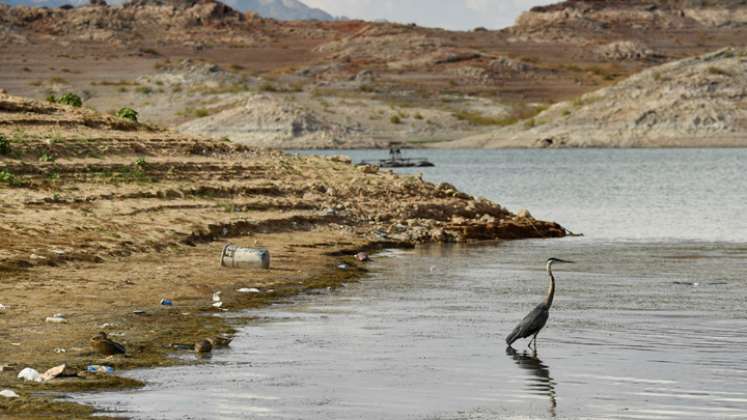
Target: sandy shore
102 218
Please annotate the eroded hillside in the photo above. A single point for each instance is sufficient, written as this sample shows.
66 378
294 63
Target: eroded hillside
696 101
344 83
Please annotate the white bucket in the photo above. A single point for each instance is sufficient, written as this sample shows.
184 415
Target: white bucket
236 257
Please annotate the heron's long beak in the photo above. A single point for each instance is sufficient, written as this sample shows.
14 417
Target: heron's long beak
564 261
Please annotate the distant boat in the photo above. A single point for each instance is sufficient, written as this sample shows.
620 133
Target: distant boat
397 161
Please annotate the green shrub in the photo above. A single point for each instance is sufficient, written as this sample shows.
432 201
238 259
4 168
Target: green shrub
201 112
70 99
395 119
4 145
7 177
127 114
145 90
46 157
268 87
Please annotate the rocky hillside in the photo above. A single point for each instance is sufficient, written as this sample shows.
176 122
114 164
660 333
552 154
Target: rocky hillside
273 9
696 101
346 83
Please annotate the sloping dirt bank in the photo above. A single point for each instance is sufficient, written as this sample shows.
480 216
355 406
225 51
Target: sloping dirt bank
101 218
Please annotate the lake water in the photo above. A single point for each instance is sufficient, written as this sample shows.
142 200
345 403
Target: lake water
650 323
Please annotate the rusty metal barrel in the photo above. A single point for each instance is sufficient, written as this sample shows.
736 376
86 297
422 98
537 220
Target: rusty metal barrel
234 256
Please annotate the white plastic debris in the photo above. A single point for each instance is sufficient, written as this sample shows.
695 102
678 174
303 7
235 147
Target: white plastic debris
29 374
216 297
248 290
60 350
56 318
53 373
7 393
99 369
3 307
217 304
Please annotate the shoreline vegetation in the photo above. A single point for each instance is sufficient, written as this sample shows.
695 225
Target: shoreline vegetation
103 217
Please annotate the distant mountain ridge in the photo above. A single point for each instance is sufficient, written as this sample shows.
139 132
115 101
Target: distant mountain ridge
280 9
275 9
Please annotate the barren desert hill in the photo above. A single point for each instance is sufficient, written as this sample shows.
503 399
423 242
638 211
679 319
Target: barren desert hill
275 9
345 83
695 101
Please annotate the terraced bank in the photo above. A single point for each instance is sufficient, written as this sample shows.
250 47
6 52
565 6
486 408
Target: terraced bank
101 217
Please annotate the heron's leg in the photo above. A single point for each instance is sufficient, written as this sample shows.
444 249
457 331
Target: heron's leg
535 340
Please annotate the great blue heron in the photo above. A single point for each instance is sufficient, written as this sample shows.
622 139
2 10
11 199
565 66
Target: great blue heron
533 323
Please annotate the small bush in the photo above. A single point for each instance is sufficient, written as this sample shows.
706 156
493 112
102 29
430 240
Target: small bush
201 112
145 90
46 157
268 87
395 119
51 99
7 177
4 145
70 99
127 114
418 116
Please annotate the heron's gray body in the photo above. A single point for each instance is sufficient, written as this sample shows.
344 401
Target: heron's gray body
531 324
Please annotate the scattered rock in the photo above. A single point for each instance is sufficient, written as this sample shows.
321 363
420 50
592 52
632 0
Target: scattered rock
524 214
341 159
369 169
101 344
203 346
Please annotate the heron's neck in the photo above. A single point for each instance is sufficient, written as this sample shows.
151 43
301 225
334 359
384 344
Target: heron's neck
551 288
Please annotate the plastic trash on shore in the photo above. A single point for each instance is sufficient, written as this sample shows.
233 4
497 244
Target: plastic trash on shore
29 374
2 307
167 302
217 303
56 318
236 257
53 372
99 369
362 257
8 393
248 290
343 267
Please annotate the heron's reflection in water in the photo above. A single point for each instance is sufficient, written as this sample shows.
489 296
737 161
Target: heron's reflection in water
540 382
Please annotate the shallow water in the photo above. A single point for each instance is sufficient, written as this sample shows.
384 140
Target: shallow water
649 324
